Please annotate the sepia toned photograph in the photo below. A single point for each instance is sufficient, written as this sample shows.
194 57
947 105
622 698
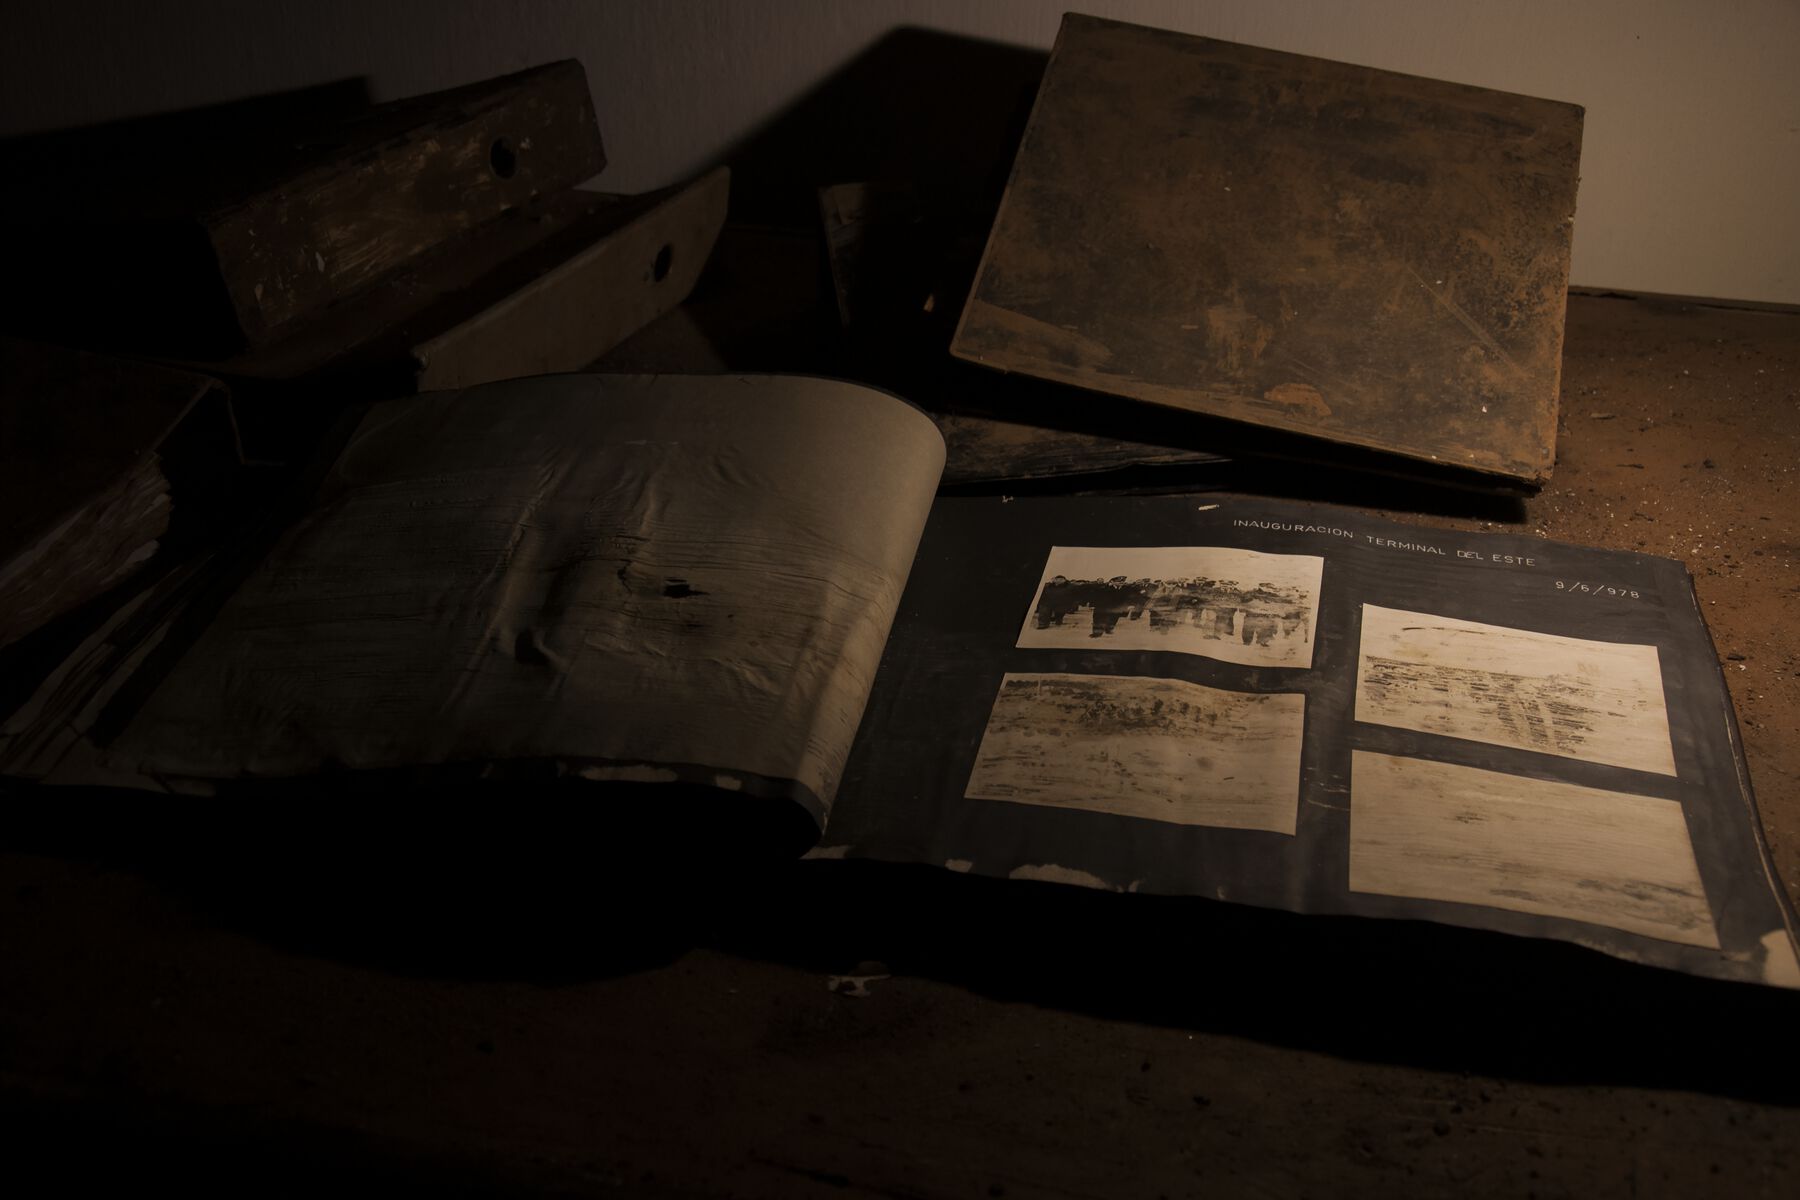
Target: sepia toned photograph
1438 831
1596 701
1237 606
1159 749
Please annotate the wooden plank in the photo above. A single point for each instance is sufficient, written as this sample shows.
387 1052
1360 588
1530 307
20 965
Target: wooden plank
87 472
398 184
573 313
551 286
987 450
1364 256
73 422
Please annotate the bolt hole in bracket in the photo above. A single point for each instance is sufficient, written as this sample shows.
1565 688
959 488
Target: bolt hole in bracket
503 158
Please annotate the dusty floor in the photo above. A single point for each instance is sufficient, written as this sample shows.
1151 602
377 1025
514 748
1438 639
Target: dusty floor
211 998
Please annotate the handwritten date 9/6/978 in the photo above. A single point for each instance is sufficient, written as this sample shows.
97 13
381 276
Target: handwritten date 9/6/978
1584 587
1570 587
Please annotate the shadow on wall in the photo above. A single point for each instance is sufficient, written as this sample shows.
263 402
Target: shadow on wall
933 110
161 163
114 201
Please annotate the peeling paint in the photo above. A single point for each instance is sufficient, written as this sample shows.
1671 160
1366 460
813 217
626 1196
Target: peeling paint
1052 873
1780 968
1300 397
636 773
852 985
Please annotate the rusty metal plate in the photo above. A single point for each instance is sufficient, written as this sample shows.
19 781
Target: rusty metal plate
1353 254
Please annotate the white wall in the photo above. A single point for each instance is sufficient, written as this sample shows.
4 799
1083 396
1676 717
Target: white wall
1690 170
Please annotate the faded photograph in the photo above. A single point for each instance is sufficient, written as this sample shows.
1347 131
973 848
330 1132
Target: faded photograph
1237 606
1160 749
1597 701
1438 831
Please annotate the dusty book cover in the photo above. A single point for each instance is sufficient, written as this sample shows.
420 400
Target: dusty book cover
1357 255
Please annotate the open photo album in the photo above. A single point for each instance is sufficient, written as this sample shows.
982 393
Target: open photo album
750 585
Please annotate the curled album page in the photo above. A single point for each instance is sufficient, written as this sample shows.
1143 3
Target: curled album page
660 578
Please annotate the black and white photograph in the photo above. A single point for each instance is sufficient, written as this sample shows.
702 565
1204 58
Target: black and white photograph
1573 697
1237 606
1161 749
1439 831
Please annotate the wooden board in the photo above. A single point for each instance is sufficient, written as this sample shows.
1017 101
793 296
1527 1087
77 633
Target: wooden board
549 287
1354 254
602 292
91 459
987 450
400 183
72 422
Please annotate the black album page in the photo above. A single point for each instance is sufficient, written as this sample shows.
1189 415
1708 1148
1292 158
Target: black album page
1307 709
